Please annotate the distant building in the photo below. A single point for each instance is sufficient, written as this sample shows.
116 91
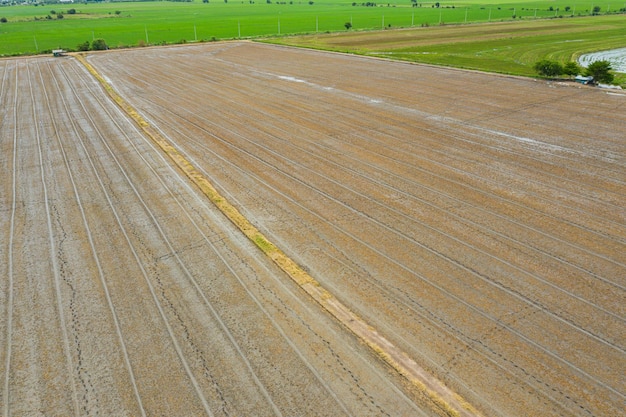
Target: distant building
58 52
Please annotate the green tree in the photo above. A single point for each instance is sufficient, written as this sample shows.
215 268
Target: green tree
548 68
83 46
600 71
596 10
98 45
348 25
3 20
571 68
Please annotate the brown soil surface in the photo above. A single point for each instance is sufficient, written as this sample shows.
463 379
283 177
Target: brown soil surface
125 292
477 222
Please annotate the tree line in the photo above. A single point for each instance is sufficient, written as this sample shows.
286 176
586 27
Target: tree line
599 70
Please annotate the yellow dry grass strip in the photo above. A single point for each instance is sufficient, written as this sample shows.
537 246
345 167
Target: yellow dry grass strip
440 398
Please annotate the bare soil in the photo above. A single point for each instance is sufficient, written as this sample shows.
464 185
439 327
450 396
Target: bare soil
126 292
475 221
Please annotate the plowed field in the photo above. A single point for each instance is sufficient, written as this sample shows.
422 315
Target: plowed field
477 222
125 292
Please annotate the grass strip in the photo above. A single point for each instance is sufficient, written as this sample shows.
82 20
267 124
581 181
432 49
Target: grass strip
435 394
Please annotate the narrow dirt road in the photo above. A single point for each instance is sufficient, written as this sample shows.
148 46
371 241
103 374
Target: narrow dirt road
476 221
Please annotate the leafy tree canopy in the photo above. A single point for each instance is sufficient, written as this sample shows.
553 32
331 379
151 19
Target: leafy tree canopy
571 68
600 71
548 68
98 45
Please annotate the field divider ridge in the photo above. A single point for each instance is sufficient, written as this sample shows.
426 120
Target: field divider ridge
436 396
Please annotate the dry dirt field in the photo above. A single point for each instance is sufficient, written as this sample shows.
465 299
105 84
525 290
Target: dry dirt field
478 222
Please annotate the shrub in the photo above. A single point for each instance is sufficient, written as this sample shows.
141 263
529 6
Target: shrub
98 45
83 46
600 71
548 68
571 68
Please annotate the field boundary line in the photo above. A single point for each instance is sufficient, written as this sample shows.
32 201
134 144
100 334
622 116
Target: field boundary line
441 399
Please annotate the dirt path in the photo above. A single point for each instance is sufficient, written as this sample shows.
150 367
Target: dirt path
475 221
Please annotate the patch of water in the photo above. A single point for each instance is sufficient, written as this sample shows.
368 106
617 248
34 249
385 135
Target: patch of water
617 58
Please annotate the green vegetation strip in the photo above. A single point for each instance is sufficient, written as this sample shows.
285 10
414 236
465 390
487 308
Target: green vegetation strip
433 393
39 28
500 47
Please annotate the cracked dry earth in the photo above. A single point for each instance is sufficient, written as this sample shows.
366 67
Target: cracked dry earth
475 221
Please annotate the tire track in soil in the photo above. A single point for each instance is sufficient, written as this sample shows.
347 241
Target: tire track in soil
91 244
6 409
83 377
135 254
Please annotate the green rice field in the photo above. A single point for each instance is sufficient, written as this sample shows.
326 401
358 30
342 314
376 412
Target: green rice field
502 47
35 29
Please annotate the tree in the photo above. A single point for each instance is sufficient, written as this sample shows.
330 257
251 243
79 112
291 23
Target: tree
98 45
600 71
348 25
596 10
3 20
548 68
571 68
83 46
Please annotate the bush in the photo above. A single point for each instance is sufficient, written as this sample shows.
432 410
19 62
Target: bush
548 68
571 68
83 46
98 45
600 71
3 20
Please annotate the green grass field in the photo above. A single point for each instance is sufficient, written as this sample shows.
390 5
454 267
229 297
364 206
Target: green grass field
503 47
29 30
